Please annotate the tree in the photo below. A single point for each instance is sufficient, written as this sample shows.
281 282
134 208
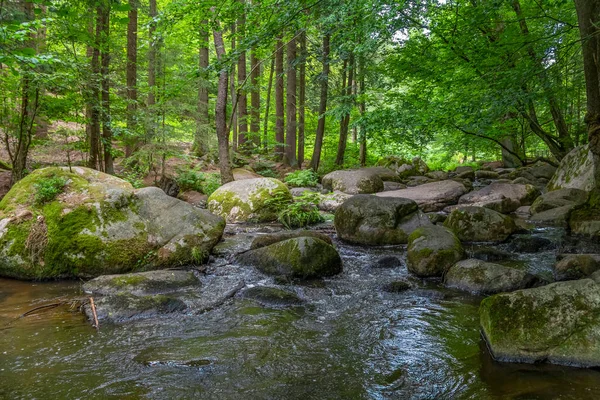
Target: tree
201 146
104 23
242 98
316 157
279 111
347 78
255 97
152 68
289 157
132 77
301 98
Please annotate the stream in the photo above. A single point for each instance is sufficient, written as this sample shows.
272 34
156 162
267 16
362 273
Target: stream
350 340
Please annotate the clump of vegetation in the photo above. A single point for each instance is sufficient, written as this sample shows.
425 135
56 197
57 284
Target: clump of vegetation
302 212
48 189
204 182
267 173
302 178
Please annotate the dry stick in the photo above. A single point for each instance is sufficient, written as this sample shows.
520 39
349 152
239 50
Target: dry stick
93 307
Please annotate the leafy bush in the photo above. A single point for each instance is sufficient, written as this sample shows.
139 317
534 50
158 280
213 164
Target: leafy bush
203 182
48 189
302 178
267 173
302 212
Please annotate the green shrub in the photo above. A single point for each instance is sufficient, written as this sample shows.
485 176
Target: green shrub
302 212
302 178
48 189
204 182
267 173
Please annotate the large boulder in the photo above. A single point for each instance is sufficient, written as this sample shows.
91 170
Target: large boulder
559 198
559 323
480 277
353 181
501 197
404 167
330 202
432 196
250 200
432 249
576 170
239 174
372 220
479 224
55 223
386 174
576 266
272 238
302 257
584 219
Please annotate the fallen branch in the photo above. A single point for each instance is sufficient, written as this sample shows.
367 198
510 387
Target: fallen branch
93 307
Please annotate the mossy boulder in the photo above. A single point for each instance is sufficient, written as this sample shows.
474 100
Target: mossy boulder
576 266
353 181
404 167
272 296
558 323
302 257
432 250
480 224
371 220
501 197
97 224
141 283
480 277
272 238
250 200
576 170
431 197
559 198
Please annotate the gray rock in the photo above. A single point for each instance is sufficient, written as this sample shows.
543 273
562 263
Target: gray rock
557 323
386 174
576 170
331 201
239 174
272 296
523 212
480 277
269 239
501 197
387 262
530 244
353 181
299 191
142 283
479 224
366 219
437 175
432 250
387 186
397 287
554 217
431 196
559 198
576 266
483 174
468 174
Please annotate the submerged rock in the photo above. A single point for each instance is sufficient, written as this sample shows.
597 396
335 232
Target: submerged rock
97 224
501 197
397 287
142 283
576 266
373 220
479 224
269 239
387 262
271 296
480 277
432 196
250 200
530 244
432 250
302 257
576 170
353 181
558 323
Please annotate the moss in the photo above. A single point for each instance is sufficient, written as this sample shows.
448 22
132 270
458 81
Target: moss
128 280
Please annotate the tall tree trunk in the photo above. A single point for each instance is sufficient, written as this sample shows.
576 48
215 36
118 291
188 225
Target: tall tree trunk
316 157
557 115
362 107
234 105
201 145
588 16
152 54
279 111
241 90
94 159
301 99
221 112
104 71
268 106
132 78
255 98
347 90
290 106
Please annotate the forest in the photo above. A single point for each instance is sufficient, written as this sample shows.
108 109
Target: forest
304 199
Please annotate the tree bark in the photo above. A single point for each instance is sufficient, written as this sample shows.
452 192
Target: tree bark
152 53
301 99
234 108
347 90
201 145
255 98
588 16
362 107
104 72
221 112
290 106
242 97
94 158
132 143
279 111
316 157
268 106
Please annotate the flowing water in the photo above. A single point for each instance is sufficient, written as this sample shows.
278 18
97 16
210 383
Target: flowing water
351 340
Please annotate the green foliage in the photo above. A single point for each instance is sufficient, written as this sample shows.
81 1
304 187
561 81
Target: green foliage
267 173
204 182
302 178
48 189
302 212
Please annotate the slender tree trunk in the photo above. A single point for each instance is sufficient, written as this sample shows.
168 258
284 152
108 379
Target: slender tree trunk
255 98
201 145
241 90
132 78
234 106
94 159
347 90
268 106
279 111
362 107
290 105
316 157
152 54
301 99
104 71
588 15
221 112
